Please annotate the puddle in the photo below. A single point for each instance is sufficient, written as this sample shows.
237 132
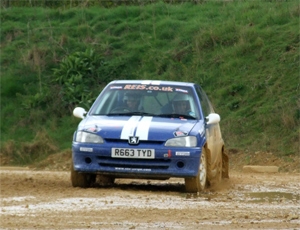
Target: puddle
272 197
253 197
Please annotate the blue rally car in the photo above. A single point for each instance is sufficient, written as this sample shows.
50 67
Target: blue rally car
150 130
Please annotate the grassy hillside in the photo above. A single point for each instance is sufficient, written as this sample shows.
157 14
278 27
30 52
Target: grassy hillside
244 54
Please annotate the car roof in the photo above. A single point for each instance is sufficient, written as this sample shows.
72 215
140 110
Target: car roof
153 82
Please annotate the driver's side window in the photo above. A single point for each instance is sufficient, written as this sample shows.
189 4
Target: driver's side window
205 104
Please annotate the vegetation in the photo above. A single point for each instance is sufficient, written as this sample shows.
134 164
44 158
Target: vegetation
245 54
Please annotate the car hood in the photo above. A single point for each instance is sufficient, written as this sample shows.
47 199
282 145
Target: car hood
144 127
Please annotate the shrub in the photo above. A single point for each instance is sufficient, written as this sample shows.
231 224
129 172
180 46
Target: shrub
76 75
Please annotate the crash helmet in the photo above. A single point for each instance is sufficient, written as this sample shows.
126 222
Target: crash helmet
181 99
132 96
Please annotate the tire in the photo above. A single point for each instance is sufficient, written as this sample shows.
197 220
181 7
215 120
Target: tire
199 182
82 180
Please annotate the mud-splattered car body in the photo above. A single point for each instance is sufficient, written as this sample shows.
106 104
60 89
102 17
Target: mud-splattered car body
155 140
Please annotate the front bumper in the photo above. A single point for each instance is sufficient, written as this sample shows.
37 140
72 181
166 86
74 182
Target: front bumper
168 161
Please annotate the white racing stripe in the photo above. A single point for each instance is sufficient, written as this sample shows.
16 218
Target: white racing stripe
129 127
150 82
155 82
143 128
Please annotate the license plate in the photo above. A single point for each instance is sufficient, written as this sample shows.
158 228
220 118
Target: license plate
133 153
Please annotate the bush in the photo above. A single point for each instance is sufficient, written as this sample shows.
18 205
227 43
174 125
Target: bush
76 75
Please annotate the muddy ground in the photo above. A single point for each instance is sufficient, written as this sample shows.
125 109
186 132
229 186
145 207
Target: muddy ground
43 198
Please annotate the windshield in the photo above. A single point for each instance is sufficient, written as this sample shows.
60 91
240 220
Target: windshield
150 100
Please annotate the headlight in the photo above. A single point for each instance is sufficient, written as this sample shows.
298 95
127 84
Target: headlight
88 137
190 141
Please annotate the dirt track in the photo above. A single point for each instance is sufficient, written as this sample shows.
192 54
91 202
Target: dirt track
46 200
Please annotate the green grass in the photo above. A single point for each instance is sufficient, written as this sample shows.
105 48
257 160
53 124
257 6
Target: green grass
245 54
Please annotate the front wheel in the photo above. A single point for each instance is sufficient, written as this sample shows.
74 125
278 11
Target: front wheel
82 180
198 183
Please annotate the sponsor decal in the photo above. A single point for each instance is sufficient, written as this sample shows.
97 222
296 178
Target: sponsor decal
93 129
180 133
132 169
116 87
84 149
182 153
149 87
169 154
181 90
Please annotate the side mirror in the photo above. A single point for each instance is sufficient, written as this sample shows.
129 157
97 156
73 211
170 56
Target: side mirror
79 112
213 118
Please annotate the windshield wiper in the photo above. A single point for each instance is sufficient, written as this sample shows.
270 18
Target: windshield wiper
142 113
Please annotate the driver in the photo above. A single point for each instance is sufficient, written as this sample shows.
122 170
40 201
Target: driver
132 101
181 104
